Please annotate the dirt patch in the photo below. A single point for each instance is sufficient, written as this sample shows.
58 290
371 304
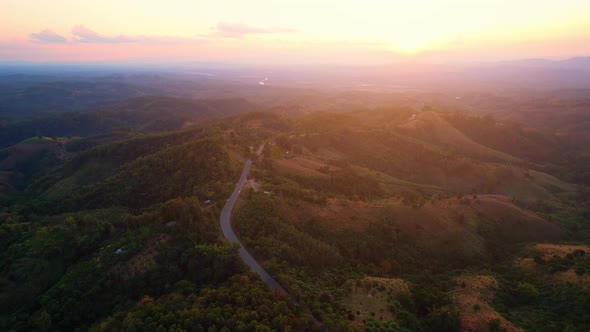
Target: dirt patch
570 276
252 184
471 296
527 263
548 250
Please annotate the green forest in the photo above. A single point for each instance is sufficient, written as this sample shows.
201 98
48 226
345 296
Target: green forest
370 221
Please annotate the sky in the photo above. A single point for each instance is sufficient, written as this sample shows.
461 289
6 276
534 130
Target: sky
292 32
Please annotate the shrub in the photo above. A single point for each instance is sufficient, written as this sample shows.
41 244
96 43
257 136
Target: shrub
494 325
579 253
526 292
539 260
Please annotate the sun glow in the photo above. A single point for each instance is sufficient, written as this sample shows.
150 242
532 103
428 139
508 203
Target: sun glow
292 30
409 44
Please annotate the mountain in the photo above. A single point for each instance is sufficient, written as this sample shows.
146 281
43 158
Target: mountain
65 96
580 63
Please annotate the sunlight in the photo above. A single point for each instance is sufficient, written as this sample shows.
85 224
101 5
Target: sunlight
292 31
412 41
409 44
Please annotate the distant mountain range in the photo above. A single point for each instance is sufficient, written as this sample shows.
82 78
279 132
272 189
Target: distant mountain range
580 63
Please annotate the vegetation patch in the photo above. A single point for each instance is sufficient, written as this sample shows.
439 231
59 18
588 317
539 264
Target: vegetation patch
142 261
549 250
472 296
372 298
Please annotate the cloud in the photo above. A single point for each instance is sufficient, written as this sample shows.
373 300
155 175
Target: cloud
48 36
84 35
236 30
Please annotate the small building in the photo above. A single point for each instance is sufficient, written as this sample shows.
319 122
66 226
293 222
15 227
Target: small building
119 251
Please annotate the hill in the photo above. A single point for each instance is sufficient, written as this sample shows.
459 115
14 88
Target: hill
384 219
441 156
433 128
35 96
96 165
22 163
144 114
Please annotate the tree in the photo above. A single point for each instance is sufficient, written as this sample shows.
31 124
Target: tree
443 319
41 321
494 325
539 260
526 292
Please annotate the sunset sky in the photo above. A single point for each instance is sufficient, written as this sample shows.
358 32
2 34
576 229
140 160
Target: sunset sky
301 31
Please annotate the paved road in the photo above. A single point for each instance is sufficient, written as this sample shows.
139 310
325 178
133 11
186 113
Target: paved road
229 234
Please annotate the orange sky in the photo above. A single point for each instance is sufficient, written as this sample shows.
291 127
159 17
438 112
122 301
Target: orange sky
303 31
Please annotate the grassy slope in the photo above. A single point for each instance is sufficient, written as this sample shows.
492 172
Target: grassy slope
399 161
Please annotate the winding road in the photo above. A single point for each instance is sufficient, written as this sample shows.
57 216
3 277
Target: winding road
230 235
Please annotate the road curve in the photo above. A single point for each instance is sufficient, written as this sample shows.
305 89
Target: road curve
229 234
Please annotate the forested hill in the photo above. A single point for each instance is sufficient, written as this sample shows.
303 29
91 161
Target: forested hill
381 220
146 114
29 94
107 225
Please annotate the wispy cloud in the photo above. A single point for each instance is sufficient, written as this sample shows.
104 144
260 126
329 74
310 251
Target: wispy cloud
84 35
48 36
236 30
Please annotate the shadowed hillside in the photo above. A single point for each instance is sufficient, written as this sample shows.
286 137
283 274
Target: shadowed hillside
144 114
